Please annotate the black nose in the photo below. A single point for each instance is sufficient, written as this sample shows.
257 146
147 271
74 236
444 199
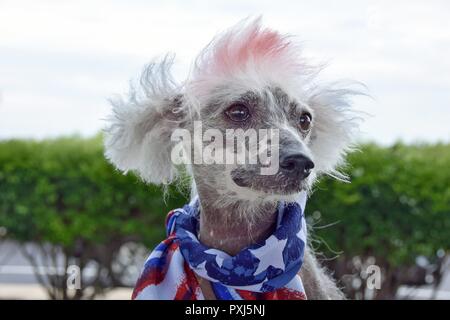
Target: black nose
296 163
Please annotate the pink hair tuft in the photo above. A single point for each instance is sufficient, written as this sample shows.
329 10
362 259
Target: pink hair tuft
244 44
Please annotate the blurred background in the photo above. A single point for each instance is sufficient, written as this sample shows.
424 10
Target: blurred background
65 212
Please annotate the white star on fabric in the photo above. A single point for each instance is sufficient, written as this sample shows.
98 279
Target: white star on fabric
191 235
219 259
301 234
270 254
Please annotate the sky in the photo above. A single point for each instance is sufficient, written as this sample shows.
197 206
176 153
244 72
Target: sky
61 60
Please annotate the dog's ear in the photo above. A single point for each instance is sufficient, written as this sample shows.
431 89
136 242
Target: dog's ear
138 135
335 127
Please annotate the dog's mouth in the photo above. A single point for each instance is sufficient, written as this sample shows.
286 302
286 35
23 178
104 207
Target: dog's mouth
278 183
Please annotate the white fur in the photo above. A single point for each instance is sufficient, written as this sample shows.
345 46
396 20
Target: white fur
138 134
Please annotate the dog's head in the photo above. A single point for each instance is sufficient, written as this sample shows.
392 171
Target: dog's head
248 81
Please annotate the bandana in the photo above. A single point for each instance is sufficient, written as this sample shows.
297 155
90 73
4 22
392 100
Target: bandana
263 271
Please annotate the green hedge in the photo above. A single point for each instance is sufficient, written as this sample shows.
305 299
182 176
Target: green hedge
64 192
397 205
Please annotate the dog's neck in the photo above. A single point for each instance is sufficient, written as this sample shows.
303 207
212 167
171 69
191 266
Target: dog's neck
223 229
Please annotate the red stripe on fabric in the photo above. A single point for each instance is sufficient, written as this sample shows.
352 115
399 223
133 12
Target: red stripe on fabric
285 294
189 286
247 295
155 275
280 294
168 216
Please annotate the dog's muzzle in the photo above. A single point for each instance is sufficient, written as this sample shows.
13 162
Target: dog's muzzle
296 164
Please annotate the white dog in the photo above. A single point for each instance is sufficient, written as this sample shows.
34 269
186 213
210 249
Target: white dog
247 78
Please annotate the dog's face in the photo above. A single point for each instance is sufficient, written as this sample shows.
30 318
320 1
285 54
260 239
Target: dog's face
239 108
248 79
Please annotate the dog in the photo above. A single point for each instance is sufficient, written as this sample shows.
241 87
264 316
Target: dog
248 77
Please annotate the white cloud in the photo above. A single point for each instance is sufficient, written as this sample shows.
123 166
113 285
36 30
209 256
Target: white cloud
60 60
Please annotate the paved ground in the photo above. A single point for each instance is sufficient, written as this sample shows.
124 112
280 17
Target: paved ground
35 292
17 279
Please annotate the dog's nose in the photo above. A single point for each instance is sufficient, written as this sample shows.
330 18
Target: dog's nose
297 163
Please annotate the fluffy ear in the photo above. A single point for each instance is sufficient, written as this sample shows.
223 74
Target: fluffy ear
138 134
335 128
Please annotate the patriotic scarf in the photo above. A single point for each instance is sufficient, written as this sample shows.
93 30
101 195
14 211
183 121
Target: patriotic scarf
267 270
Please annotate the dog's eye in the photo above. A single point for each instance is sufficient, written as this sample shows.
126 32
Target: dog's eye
237 112
305 121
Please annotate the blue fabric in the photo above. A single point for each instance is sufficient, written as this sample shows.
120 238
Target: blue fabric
262 267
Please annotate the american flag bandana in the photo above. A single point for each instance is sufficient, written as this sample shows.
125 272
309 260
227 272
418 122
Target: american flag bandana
264 271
